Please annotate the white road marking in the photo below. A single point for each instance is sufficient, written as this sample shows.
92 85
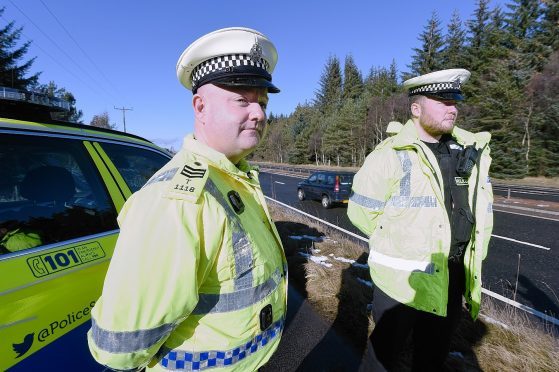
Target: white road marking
521 242
524 214
281 183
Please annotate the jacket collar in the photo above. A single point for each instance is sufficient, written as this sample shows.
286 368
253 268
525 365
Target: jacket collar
215 158
409 136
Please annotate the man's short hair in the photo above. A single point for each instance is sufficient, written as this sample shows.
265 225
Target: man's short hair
416 99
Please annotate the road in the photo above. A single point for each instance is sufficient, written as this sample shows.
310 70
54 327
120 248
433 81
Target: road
523 252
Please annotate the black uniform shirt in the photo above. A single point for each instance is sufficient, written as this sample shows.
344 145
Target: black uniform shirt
455 194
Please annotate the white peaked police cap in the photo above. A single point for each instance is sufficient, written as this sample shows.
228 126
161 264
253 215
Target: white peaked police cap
235 56
444 84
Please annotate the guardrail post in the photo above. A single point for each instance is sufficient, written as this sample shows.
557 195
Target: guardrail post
508 193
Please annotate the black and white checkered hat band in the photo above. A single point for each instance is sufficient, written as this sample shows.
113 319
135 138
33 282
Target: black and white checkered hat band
222 63
452 86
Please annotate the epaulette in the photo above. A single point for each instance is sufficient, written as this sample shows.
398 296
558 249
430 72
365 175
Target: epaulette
188 182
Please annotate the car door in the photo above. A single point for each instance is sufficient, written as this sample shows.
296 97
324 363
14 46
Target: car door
330 186
310 186
321 186
345 183
58 208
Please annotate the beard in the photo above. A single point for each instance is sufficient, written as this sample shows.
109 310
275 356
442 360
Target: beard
437 128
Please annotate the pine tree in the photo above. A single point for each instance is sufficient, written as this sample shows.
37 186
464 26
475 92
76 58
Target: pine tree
487 41
478 28
522 18
298 152
550 25
429 57
353 81
453 52
381 81
13 72
393 75
524 31
337 139
497 103
495 96
328 97
300 126
275 142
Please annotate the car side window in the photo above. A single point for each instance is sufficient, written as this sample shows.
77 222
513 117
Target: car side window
312 178
136 165
321 178
330 180
50 191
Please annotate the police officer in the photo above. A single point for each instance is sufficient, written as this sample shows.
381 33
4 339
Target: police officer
197 280
423 197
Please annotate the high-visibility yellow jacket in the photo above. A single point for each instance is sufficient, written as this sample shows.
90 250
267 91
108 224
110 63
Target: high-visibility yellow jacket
398 201
197 264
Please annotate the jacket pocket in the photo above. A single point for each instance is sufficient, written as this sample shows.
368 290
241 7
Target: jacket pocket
462 225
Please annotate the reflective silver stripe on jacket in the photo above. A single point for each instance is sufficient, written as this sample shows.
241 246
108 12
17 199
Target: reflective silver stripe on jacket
224 302
163 176
183 360
490 208
401 264
396 201
405 182
412 201
128 341
405 200
366 202
242 248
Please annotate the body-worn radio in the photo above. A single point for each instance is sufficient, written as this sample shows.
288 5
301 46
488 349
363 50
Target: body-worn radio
466 160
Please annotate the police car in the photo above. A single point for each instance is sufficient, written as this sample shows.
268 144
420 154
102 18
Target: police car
61 188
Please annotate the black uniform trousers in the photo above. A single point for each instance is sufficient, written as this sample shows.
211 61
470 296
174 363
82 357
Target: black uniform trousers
430 333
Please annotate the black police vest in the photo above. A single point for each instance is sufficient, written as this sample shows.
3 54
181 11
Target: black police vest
447 152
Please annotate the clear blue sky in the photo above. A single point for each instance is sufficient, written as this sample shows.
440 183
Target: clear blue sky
131 48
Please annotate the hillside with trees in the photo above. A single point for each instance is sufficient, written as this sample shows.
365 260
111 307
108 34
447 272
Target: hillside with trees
513 54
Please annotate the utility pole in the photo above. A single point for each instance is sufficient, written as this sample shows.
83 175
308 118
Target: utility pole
124 109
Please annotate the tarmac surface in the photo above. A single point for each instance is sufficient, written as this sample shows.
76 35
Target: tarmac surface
309 343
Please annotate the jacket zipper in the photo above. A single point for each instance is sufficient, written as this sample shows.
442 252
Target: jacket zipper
474 229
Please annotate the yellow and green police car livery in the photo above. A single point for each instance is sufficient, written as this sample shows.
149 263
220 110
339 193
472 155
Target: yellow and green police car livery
61 188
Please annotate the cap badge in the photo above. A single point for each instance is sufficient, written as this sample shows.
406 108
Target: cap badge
255 53
456 84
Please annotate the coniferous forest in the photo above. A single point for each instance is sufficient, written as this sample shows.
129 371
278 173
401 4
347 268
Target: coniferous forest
513 54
